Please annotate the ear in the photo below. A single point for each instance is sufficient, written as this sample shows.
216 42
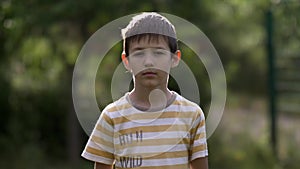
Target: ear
125 61
176 58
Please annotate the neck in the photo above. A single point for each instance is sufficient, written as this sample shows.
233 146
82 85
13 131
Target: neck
150 98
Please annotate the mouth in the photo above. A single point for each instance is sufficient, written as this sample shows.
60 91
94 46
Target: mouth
149 73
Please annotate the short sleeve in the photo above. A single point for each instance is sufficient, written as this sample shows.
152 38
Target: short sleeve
100 147
198 147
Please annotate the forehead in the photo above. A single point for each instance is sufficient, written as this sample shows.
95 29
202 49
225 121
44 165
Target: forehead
149 41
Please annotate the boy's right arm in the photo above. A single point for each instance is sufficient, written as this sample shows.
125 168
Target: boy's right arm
102 166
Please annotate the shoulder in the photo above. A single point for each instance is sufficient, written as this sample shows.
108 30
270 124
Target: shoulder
116 106
187 105
182 101
116 103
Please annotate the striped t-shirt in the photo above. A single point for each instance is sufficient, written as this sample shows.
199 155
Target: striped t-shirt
130 138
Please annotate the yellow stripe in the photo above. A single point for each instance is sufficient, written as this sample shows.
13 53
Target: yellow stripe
107 119
176 154
156 115
101 153
201 124
162 155
104 130
127 105
101 141
162 128
201 147
200 136
178 166
154 142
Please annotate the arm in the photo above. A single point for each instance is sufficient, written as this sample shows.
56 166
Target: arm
199 163
102 166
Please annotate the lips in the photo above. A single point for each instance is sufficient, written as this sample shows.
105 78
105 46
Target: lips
149 73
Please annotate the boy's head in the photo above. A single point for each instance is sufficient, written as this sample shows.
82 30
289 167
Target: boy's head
150 49
150 26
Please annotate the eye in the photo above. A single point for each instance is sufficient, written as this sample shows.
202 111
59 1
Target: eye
137 54
159 52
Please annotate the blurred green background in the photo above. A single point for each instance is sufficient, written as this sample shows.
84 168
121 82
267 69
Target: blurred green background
41 39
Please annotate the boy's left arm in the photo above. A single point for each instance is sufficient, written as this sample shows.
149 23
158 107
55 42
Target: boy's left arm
198 151
199 163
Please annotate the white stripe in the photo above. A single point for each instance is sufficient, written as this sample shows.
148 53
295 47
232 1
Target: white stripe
131 110
167 134
150 149
166 161
122 112
100 146
196 122
188 108
158 135
201 141
201 130
199 154
102 122
156 122
121 101
155 162
125 112
102 135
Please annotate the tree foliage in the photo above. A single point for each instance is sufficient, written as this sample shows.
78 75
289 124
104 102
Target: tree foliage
41 39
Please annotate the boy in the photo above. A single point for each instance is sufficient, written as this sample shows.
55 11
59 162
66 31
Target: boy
151 126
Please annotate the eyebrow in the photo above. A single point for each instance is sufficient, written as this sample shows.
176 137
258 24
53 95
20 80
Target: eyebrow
142 48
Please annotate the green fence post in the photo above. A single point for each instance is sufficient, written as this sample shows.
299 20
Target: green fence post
271 81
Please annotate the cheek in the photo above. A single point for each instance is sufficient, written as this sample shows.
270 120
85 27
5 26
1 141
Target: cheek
161 64
136 67
164 66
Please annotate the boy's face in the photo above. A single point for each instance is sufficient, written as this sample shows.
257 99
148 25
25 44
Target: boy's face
150 62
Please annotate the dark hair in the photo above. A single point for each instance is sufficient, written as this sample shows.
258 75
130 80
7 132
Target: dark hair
149 25
172 42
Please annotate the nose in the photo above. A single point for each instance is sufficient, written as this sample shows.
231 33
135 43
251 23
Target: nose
148 61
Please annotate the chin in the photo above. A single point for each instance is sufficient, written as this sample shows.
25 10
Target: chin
150 84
